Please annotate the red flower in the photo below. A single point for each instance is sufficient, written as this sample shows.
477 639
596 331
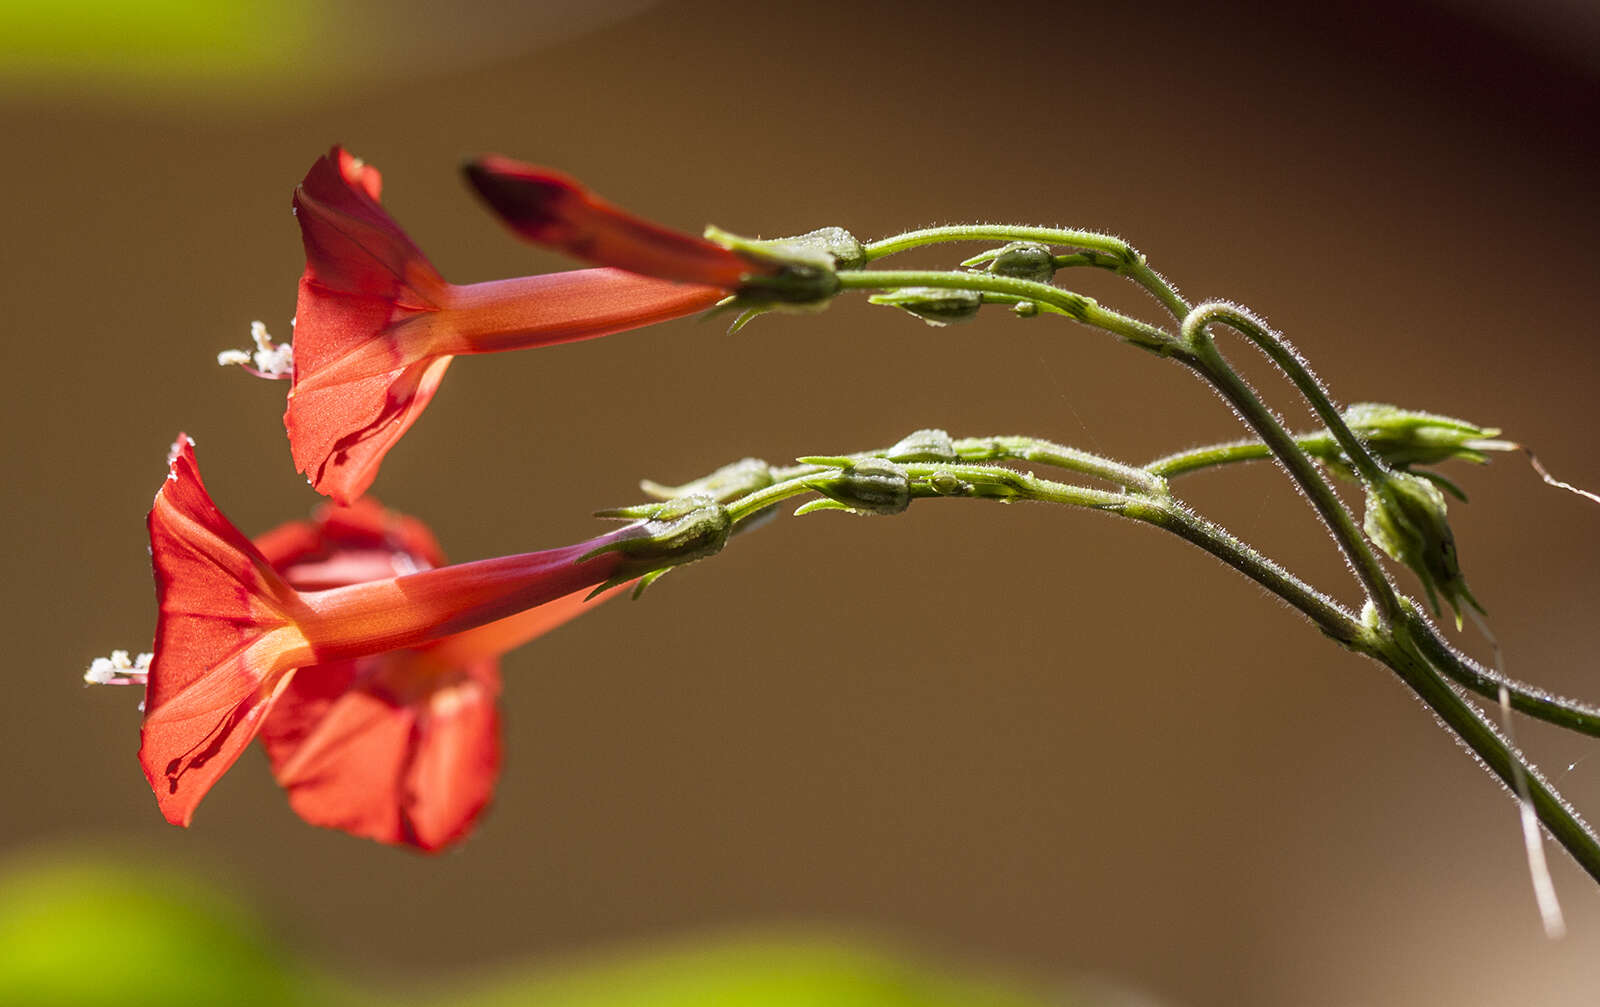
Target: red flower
376 325
548 208
402 747
374 686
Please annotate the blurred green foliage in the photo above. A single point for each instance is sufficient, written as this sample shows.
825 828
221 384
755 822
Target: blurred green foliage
163 39
77 932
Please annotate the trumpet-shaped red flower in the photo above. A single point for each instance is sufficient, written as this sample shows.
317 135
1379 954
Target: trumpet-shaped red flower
375 686
376 325
551 209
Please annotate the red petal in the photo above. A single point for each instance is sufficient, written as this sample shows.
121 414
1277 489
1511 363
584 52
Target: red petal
226 634
398 748
342 425
364 367
551 209
455 763
352 244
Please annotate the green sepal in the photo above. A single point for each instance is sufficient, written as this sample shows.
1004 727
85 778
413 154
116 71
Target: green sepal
824 504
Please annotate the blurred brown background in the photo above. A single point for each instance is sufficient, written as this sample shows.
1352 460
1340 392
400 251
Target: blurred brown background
1009 735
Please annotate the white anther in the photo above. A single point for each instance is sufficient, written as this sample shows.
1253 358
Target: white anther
119 669
270 359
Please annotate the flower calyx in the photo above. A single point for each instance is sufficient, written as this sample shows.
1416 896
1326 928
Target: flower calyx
802 272
667 534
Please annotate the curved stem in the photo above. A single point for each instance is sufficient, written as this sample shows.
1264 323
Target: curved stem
1208 362
1076 306
1130 261
1289 362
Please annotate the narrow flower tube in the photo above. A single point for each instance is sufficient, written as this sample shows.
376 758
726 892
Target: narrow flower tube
233 627
548 208
376 325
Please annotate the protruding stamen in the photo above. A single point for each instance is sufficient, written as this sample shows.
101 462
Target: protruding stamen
119 669
271 360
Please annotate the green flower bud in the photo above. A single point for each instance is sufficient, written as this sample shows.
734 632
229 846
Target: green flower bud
726 484
923 446
934 305
867 486
1406 437
947 484
1406 519
1024 260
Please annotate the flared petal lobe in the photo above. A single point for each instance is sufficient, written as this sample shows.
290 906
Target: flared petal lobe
364 360
227 634
403 748
550 209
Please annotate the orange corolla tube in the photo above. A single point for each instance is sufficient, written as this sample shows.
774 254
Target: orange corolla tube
376 325
353 665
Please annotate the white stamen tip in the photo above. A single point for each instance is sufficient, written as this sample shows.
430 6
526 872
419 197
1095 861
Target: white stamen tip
119 669
270 359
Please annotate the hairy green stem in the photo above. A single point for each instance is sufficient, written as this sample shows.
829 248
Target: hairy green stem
1076 306
1129 261
1418 658
1524 698
1289 362
1216 455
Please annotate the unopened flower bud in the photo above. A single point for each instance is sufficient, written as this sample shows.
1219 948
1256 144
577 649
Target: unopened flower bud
934 305
867 486
726 484
1406 519
1024 260
948 484
1406 437
923 446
